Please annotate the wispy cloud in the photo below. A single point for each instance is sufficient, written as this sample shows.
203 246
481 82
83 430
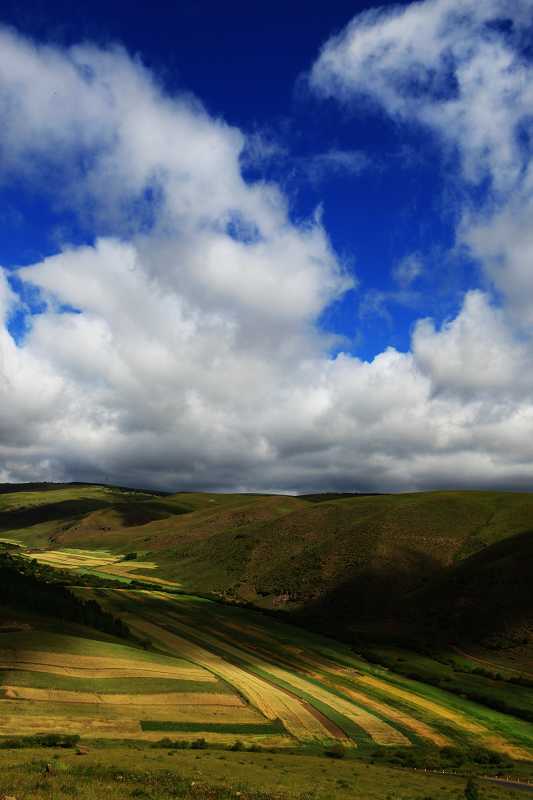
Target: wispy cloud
264 150
459 68
334 162
408 269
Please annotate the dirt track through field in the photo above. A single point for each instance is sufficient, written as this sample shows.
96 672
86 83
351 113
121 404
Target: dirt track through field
494 666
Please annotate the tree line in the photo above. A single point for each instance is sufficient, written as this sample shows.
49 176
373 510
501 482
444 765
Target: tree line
23 585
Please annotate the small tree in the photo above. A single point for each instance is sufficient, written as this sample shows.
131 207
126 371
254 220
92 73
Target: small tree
199 744
237 746
471 790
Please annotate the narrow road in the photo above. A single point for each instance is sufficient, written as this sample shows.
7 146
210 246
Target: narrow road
524 787
493 664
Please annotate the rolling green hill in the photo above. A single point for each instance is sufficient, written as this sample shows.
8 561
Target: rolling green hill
445 565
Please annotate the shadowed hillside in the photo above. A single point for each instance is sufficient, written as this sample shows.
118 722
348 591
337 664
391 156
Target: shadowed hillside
425 565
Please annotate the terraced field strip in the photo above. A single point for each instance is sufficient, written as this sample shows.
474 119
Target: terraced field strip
336 707
82 672
378 730
26 710
77 557
64 559
351 675
273 703
98 666
417 726
166 699
483 735
302 722
109 685
236 728
100 563
431 706
18 718
164 714
310 663
17 725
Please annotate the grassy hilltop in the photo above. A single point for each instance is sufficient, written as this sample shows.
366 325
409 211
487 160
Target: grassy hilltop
155 629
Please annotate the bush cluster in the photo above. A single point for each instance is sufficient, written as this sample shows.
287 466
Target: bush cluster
450 758
40 740
181 744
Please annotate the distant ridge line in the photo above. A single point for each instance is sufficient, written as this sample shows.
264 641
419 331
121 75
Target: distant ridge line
320 497
49 486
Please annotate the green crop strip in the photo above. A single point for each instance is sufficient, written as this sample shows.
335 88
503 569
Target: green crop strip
275 727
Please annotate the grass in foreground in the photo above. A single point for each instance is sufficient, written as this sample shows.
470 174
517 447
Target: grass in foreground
218 775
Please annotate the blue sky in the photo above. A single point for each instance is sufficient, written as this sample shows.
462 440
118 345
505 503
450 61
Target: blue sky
321 211
247 63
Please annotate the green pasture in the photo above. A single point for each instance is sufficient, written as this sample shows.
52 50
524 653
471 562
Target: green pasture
137 771
240 729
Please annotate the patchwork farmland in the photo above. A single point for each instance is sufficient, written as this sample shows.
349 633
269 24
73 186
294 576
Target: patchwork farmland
353 699
53 682
101 563
223 672
196 669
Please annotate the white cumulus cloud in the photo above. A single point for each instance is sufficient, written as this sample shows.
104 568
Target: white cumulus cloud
193 355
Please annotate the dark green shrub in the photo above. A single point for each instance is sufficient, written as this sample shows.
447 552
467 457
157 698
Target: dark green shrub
471 790
335 750
64 740
237 746
199 744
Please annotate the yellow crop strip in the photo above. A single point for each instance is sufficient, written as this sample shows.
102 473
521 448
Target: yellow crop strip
17 725
166 700
381 732
101 562
483 735
416 725
92 666
274 703
428 705
377 729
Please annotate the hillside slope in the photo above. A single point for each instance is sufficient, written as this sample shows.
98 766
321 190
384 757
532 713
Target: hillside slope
424 564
